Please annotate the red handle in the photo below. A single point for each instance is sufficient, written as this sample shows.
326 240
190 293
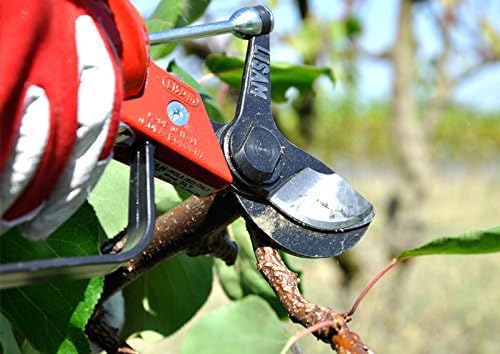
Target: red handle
172 114
134 45
187 151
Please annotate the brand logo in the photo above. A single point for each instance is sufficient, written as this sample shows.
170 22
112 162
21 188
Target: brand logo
181 91
259 79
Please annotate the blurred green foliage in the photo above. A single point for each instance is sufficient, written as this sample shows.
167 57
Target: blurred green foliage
284 75
171 14
348 129
467 136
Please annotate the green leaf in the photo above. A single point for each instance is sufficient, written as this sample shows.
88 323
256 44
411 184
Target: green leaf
353 26
283 76
110 197
166 196
213 109
53 315
8 344
247 326
165 298
27 348
164 18
309 39
475 242
170 14
160 50
192 11
243 279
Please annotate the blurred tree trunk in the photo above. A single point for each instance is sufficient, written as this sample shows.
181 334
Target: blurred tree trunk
305 106
408 139
346 262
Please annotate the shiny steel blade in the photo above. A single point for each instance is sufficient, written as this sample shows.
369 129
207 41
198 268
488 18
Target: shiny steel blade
322 201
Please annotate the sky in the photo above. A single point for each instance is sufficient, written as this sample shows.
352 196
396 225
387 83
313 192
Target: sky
379 24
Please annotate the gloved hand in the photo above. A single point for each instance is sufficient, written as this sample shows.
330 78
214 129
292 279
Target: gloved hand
60 96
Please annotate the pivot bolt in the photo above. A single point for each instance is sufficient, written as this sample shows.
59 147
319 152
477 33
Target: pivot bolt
258 155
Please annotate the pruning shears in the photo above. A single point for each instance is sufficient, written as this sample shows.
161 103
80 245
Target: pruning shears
292 199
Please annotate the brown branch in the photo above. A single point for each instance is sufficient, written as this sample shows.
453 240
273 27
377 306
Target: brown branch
446 83
443 85
386 54
487 56
196 226
188 226
106 336
303 6
218 245
474 69
285 284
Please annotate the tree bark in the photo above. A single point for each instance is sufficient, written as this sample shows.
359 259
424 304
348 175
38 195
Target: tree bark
195 227
285 285
408 138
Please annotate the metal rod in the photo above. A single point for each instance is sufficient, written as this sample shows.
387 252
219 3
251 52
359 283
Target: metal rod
245 23
191 32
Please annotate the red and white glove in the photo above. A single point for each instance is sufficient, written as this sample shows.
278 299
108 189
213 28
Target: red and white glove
60 96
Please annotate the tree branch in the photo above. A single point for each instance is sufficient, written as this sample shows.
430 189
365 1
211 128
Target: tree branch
474 69
443 83
192 226
285 284
386 54
106 336
218 245
303 6
195 226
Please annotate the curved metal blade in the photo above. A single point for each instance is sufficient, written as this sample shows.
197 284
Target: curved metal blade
322 201
294 238
293 199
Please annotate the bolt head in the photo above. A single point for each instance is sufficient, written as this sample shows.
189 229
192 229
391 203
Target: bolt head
177 113
257 157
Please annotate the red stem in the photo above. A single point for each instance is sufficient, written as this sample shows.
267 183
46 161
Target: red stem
370 285
305 332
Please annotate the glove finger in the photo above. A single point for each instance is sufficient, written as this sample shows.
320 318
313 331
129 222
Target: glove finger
96 96
29 147
56 211
96 93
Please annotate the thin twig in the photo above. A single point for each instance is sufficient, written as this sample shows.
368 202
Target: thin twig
206 78
370 285
295 338
285 284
